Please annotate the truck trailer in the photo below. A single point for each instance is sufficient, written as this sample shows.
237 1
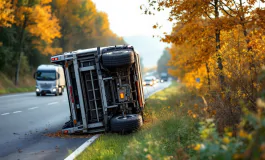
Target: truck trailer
105 91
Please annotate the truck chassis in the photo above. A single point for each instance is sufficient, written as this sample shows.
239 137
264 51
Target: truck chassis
104 87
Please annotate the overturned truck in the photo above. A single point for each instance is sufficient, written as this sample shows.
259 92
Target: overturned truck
104 88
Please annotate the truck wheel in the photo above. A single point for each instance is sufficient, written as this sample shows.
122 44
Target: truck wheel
118 59
60 91
37 94
128 123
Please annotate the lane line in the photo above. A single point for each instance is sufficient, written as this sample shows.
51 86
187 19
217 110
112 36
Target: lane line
52 103
17 111
16 95
33 108
5 114
82 147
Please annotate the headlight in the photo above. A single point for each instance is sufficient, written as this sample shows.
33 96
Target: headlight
144 83
37 90
54 89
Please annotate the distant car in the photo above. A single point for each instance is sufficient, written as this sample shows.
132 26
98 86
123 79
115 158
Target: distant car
151 80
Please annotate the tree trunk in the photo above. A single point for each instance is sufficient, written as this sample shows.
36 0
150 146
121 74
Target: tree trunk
20 50
217 40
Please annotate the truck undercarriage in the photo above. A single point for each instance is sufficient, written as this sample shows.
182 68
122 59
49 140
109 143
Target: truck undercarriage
104 88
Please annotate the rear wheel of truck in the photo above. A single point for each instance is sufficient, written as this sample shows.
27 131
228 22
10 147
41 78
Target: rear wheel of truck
128 123
118 59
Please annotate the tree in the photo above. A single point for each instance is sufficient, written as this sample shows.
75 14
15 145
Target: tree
82 26
33 20
217 41
38 28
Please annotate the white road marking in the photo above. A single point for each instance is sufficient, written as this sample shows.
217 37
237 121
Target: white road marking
52 103
17 111
33 108
5 114
16 95
82 147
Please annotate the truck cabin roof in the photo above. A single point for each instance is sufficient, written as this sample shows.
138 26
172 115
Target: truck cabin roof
48 67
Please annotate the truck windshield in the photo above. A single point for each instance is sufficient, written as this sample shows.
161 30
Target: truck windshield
46 75
148 79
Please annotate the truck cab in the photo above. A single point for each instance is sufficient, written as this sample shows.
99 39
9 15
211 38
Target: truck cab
49 80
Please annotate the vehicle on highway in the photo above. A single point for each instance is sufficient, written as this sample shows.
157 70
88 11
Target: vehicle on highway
163 77
105 90
49 79
150 80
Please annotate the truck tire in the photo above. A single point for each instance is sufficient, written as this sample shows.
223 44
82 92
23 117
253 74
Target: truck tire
118 59
130 123
37 94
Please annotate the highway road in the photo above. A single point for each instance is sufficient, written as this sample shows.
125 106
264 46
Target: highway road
25 121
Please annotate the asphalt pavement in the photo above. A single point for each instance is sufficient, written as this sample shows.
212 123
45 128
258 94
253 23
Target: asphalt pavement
25 121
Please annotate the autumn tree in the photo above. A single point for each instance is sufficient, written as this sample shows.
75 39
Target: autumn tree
82 26
32 30
34 22
217 40
6 13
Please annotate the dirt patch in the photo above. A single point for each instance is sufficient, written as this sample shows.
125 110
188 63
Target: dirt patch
59 134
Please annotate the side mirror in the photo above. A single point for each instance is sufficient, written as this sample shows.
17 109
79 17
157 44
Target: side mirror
58 76
34 75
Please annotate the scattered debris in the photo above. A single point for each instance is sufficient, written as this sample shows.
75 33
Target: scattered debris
59 134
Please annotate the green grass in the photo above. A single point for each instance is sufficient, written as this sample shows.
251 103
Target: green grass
167 133
17 90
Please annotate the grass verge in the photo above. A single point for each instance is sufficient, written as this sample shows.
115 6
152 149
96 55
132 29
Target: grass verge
17 90
167 133
27 84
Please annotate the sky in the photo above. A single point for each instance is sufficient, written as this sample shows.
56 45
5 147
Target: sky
127 20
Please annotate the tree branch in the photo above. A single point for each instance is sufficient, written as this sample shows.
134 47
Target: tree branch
208 15
222 8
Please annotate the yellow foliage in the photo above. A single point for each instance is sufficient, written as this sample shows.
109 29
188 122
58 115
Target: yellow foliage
243 134
39 21
226 140
199 147
6 13
44 25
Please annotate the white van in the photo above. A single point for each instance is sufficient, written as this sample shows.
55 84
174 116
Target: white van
49 80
